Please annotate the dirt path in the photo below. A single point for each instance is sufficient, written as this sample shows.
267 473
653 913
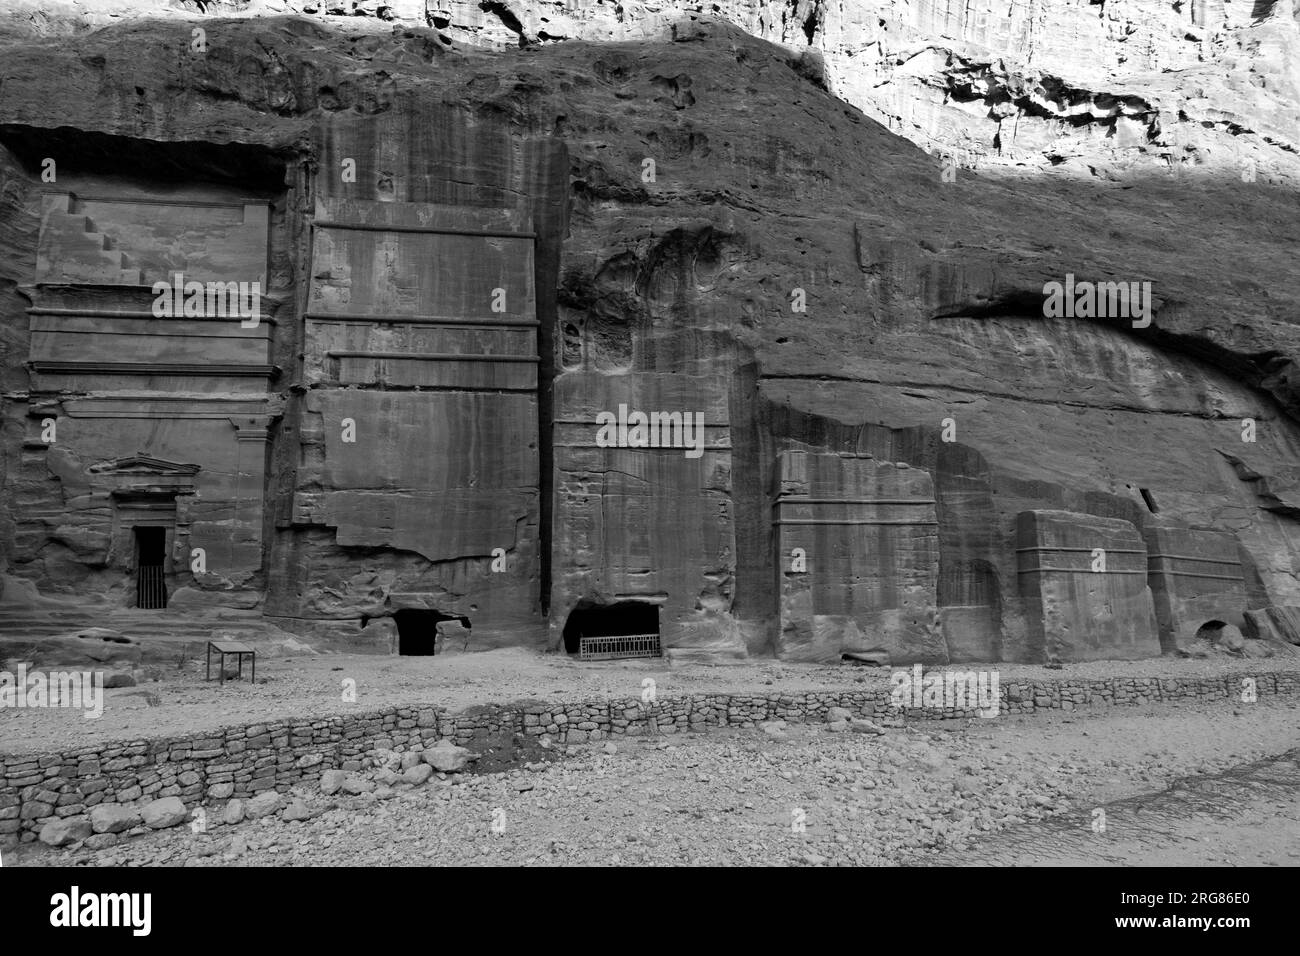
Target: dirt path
1246 816
969 792
177 700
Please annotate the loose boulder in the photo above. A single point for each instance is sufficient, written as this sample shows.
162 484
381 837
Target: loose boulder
164 813
113 818
418 774
357 785
446 757
331 781
297 810
263 805
1230 639
63 831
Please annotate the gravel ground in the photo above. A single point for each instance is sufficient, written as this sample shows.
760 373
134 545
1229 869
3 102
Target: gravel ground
800 794
175 701
1249 815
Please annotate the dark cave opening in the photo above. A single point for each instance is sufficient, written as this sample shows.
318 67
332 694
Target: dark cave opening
623 618
417 630
1209 631
150 561
256 169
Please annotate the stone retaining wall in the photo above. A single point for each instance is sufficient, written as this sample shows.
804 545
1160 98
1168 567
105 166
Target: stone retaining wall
242 761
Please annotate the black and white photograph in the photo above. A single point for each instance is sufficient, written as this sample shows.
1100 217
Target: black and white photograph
650 434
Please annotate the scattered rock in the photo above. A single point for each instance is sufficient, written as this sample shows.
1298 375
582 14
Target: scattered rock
113 818
100 841
119 679
1230 639
263 805
356 785
611 748
331 781
234 812
164 813
297 810
67 830
447 757
418 774
863 726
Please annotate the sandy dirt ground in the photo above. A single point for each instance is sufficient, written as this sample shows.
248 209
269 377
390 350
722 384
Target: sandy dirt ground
176 700
1191 784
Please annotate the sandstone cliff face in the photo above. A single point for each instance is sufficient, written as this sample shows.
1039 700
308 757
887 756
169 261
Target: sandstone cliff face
711 232
1086 86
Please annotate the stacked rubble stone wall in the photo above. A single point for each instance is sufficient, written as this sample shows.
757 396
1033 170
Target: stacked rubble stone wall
246 760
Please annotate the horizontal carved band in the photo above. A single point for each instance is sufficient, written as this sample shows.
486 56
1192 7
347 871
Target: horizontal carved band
399 319
1188 557
435 356
1201 574
152 368
442 230
1042 568
838 521
851 501
1049 547
146 314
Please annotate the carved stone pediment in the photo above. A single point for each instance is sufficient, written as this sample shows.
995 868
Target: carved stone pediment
143 465
138 474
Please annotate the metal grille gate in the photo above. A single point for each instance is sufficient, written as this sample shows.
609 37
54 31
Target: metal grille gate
619 646
150 588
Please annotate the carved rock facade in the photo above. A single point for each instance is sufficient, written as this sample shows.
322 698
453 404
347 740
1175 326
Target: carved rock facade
578 342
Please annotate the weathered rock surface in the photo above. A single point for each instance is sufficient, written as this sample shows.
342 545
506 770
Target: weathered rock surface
65 830
354 785
113 818
446 757
165 812
813 286
1099 90
297 810
263 805
331 781
418 774
1277 624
